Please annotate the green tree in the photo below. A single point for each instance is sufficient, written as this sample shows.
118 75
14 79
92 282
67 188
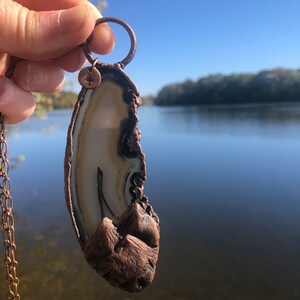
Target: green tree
266 86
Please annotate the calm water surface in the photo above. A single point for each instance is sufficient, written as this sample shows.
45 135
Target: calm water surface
224 181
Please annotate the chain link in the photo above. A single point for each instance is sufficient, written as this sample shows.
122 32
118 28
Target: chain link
7 218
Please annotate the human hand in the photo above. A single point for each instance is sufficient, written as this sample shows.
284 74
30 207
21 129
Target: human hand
47 35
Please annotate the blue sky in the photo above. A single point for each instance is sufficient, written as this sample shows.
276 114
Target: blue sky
190 39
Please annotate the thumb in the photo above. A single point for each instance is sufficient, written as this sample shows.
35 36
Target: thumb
43 35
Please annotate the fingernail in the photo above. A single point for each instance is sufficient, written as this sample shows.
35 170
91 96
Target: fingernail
104 34
71 20
95 10
112 37
109 32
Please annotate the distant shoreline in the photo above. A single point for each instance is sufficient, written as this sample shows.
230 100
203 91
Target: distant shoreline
269 86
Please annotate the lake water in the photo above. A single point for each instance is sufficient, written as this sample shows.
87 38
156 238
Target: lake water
224 181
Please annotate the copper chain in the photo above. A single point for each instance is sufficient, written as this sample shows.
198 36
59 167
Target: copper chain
7 218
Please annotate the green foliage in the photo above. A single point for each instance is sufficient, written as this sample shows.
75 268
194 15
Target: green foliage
65 99
264 87
148 100
56 100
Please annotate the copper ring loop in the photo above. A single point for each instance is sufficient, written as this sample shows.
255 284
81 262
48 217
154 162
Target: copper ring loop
132 50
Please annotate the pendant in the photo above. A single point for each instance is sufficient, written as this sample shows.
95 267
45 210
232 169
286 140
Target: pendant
105 172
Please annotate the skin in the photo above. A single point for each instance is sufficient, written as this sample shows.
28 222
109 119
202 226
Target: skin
47 35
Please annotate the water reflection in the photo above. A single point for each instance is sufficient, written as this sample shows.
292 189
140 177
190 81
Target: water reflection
224 181
269 119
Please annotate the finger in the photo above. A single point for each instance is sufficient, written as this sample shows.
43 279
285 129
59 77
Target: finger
39 5
45 77
72 61
103 37
75 59
103 40
43 35
16 104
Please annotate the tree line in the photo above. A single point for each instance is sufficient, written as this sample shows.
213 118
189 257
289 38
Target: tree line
267 86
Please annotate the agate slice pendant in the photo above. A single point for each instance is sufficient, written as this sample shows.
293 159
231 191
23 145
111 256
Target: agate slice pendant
104 176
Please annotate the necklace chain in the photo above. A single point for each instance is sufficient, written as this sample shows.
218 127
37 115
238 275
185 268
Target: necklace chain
6 202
